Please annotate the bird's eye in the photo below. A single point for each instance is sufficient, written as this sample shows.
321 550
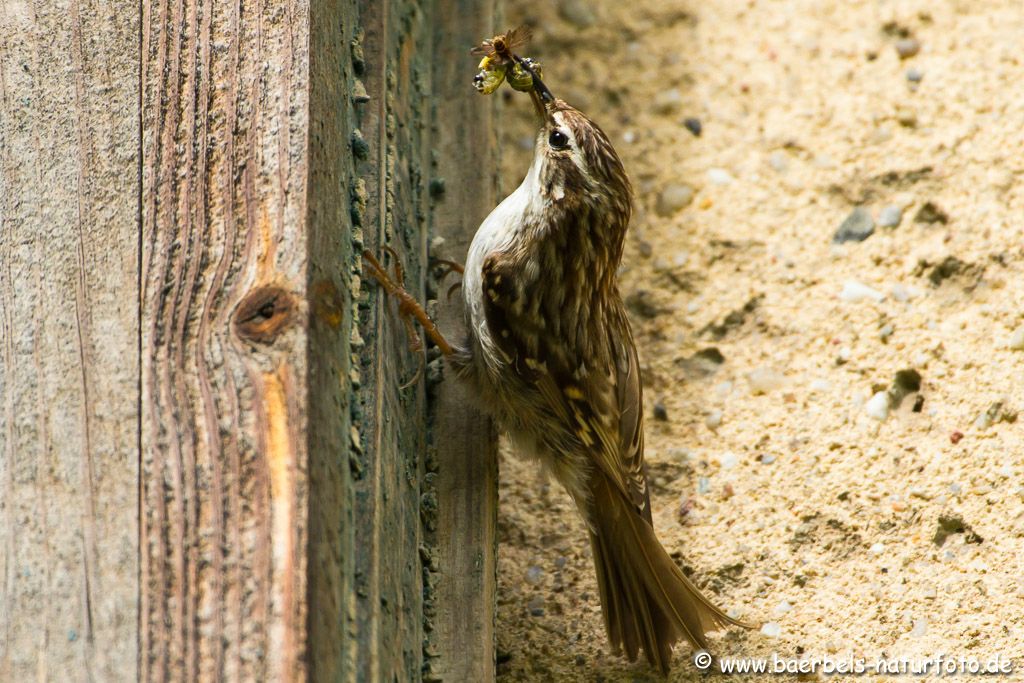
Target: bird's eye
558 140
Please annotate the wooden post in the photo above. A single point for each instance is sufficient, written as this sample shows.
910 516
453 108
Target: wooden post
69 361
467 470
209 468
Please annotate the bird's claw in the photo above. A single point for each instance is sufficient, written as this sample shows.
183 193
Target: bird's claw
408 308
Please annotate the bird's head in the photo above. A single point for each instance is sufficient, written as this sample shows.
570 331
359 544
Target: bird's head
576 162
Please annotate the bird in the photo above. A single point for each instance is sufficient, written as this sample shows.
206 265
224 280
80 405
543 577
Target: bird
549 351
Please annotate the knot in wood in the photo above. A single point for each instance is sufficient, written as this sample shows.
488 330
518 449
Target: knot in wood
264 313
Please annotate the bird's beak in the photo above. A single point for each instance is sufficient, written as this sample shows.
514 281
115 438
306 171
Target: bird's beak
541 96
540 105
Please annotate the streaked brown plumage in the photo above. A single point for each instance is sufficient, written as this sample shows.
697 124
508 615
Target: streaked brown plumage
550 349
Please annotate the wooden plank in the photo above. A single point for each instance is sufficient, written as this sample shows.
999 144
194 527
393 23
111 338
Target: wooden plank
392 131
224 340
69 187
467 470
332 280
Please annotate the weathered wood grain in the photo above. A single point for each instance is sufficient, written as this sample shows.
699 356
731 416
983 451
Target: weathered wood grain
206 473
69 187
332 282
392 130
225 313
464 438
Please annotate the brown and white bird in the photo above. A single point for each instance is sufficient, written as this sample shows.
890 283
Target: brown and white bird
549 349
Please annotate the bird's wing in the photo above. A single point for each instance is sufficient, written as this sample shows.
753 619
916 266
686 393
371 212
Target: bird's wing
601 407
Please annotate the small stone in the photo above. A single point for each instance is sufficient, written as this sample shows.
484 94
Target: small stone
779 161
878 406
1017 339
914 75
560 562
955 437
629 137
703 485
906 117
955 488
890 216
660 412
886 332
854 291
536 606
920 628
642 303
877 549
767 458
783 607
930 213
903 294
534 575
820 385
764 379
577 12
713 419
857 227
729 460
771 630
673 198
667 101
720 176
907 47
693 125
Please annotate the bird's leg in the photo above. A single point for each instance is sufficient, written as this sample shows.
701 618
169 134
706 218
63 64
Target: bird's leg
408 307
446 268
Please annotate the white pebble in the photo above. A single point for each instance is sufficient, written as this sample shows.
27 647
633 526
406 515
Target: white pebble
764 379
719 176
629 137
779 161
903 293
668 101
1017 339
890 216
783 607
674 197
714 419
845 353
771 629
855 291
878 406
920 628
729 460
878 548
820 385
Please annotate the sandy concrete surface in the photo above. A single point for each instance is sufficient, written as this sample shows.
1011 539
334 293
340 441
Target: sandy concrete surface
772 351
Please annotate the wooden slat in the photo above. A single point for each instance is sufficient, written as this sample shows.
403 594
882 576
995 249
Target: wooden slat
392 125
69 187
332 280
225 306
467 471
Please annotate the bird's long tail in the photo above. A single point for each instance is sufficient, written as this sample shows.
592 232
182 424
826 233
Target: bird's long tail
647 601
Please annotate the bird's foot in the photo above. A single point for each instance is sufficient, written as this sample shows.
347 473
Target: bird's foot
443 268
408 308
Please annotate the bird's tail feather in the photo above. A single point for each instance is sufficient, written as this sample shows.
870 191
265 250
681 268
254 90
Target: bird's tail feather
648 602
